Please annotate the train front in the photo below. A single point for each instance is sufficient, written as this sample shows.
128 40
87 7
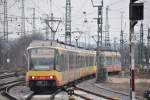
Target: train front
41 74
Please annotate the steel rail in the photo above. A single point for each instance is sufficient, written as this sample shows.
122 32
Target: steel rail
96 94
5 85
81 96
118 92
6 93
54 94
2 76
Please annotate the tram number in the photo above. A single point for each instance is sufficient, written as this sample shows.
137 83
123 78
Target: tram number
41 83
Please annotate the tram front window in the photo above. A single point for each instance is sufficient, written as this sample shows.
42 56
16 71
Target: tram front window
41 59
42 63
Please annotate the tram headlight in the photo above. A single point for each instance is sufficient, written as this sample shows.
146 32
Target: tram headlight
51 77
33 77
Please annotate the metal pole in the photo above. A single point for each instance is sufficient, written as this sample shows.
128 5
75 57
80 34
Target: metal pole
101 24
98 49
107 40
122 41
99 55
68 22
141 45
47 29
5 19
132 60
99 73
148 45
121 35
115 43
23 19
52 24
33 21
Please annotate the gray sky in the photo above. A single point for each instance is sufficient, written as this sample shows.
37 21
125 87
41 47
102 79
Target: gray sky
78 6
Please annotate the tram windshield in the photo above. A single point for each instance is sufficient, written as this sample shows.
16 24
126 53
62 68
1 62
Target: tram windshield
41 59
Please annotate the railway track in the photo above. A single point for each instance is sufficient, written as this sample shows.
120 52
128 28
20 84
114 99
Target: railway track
118 92
6 92
86 94
91 86
3 86
77 95
78 92
7 75
8 79
92 93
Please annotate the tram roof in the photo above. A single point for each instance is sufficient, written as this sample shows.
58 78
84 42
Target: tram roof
111 53
59 46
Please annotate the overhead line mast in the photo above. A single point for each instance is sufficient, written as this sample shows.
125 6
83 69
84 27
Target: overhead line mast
99 56
141 45
122 41
52 22
5 21
148 45
68 22
121 33
23 19
33 23
107 40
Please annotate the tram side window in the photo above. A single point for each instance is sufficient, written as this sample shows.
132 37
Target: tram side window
61 62
92 61
74 61
70 61
75 64
114 60
57 61
77 60
118 61
89 59
108 60
66 62
82 61
65 67
87 63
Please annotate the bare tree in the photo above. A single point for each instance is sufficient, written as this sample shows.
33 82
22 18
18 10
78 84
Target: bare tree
15 51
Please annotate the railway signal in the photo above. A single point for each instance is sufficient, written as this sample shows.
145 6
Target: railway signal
135 14
136 10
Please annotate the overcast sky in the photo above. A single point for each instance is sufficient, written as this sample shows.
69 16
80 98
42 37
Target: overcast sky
78 7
